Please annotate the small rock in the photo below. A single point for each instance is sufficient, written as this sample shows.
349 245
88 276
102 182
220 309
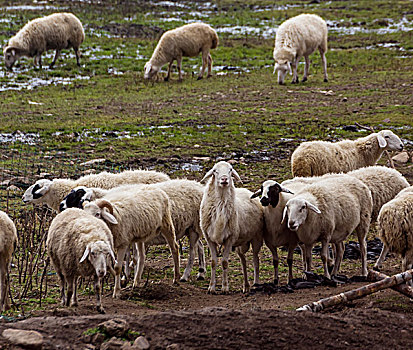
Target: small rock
114 328
98 338
5 183
13 188
93 161
141 343
402 157
27 339
113 344
232 161
345 99
173 347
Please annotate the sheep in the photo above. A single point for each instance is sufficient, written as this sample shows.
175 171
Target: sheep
328 211
299 36
395 226
228 217
79 245
315 158
52 192
136 215
8 242
185 197
188 41
54 32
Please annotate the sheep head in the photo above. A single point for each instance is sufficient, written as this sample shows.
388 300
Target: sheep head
98 254
389 140
270 193
76 198
150 70
221 174
101 209
11 55
296 210
36 192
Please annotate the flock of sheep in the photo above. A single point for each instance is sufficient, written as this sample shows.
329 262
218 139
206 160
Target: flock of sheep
336 189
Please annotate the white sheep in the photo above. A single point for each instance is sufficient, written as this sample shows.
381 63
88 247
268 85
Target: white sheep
8 242
230 218
186 41
52 192
79 245
185 196
54 32
395 226
327 212
297 37
316 158
136 215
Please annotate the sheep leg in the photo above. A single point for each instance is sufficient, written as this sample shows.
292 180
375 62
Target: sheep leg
173 246
204 64
38 60
383 254
275 261
209 65
193 241
324 258
241 256
214 261
306 68
70 281
168 75
141 264
324 62
77 53
295 74
3 286
307 256
62 282
118 269
225 257
407 263
290 259
179 66
256 247
74 301
201 261
98 291
339 251
56 56
362 231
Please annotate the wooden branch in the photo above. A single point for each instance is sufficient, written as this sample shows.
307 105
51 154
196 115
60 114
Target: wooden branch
358 293
404 289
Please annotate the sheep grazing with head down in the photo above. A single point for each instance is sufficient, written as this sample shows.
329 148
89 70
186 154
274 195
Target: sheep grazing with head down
315 158
229 217
79 245
54 32
52 192
328 211
395 224
297 37
8 242
186 41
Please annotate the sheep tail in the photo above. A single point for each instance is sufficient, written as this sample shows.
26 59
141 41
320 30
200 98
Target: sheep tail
215 40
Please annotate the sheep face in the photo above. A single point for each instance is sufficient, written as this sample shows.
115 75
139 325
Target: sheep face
387 139
150 70
35 193
282 68
270 193
11 55
98 253
221 174
102 209
296 210
76 198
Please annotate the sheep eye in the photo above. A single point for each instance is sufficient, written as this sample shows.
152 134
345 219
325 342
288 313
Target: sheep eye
97 215
386 137
303 207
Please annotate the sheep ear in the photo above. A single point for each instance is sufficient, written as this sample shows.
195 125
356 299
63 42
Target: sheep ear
284 215
109 217
88 195
43 190
382 141
207 175
313 208
85 255
256 194
112 254
285 189
236 175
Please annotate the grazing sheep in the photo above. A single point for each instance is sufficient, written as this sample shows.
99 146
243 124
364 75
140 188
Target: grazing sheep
136 215
52 192
297 37
185 197
395 223
315 158
230 218
186 41
79 245
54 32
327 212
8 242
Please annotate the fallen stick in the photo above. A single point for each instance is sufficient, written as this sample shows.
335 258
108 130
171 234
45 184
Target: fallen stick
358 293
401 288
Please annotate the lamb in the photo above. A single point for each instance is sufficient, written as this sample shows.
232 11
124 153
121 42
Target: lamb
136 215
230 218
315 158
52 192
299 36
8 242
395 226
185 197
79 245
188 41
328 211
54 32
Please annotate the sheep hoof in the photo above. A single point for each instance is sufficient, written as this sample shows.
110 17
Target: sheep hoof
376 268
199 78
123 283
212 291
304 79
325 80
200 278
276 281
209 76
183 279
166 79
100 309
